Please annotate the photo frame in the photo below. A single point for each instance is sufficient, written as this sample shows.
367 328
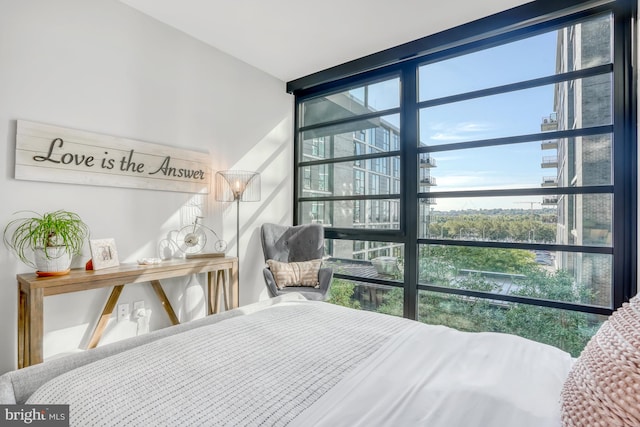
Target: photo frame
103 253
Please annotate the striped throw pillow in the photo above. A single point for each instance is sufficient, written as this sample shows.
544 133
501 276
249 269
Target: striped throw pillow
295 273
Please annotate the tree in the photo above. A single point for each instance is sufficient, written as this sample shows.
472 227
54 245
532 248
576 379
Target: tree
567 330
482 259
341 293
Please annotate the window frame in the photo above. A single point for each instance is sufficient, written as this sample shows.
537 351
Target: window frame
404 61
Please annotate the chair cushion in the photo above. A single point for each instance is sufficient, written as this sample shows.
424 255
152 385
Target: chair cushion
603 386
303 273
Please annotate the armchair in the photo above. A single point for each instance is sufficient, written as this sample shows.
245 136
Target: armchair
295 244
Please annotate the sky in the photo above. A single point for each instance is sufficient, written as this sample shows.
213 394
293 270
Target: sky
514 113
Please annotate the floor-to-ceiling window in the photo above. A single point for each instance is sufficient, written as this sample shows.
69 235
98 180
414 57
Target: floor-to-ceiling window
489 183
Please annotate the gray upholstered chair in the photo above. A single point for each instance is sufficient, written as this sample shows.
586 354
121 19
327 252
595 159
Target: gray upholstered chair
295 244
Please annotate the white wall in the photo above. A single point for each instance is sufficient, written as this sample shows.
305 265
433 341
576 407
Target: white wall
103 67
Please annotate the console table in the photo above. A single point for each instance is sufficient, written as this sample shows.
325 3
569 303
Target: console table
32 289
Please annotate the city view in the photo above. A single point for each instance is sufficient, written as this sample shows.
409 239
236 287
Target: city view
513 166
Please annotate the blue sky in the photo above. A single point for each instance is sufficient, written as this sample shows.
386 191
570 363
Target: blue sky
510 114
514 113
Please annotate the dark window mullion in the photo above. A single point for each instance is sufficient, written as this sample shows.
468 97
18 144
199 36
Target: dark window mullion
606 250
332 160
508 140
519 299
624 160
297 150
409 186
595 189
351 119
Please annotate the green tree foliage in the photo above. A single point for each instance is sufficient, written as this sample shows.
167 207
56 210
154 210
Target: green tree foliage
509 225
567 330
341 293
392 302
481 259
481 269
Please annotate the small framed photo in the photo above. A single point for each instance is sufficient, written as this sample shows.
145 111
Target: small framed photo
103 253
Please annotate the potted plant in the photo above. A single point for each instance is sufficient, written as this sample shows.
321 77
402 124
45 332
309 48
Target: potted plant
54 238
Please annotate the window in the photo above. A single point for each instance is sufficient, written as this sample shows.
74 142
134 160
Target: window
358 181
492 177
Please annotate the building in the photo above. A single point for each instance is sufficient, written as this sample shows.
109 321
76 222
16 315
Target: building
584 160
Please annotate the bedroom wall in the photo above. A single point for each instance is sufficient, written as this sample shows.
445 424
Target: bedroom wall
103 67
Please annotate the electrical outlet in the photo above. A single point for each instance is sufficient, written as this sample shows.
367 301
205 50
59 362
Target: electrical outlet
138 305
124 311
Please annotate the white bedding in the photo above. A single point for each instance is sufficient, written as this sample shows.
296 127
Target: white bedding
451 379
310 363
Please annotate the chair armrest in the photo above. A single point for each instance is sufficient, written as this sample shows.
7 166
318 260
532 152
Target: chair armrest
270 282
325 275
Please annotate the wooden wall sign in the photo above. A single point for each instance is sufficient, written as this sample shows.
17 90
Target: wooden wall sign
56 154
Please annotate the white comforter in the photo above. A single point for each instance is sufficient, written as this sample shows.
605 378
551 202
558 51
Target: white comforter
309 363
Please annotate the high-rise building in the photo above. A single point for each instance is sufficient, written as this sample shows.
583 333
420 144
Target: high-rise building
358 177
585 160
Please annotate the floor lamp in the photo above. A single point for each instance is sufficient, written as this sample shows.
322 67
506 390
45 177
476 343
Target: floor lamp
235 185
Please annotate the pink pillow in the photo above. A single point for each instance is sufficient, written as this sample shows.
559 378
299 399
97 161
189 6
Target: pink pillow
603 386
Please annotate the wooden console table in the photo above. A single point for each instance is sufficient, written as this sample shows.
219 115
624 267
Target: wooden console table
32 290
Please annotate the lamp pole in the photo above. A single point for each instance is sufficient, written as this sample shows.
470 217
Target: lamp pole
234 185
237 195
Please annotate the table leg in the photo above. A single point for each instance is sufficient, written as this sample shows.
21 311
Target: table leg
233 285
222 279
210 294
104 317
165 302
215 298
22 330
33 323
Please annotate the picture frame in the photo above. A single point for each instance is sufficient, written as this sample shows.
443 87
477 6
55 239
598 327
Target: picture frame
103 253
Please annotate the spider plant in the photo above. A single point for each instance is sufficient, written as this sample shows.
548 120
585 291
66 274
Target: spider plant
53 229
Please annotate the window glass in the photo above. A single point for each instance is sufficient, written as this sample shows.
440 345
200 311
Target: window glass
523 219
366 296
520 112
351 103
362 258
575 277
369 177
478 184
350 139
370 214
496 66
552 163
567 330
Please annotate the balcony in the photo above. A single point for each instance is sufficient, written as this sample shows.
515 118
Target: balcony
427 162
428 181
549 145
549 181
549 200
549 123
549 162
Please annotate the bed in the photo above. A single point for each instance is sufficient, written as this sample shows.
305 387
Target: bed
290 361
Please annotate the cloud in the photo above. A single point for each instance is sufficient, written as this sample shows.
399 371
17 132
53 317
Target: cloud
485 180
459 132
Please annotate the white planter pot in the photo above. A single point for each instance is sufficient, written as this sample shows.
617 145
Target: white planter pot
55 260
